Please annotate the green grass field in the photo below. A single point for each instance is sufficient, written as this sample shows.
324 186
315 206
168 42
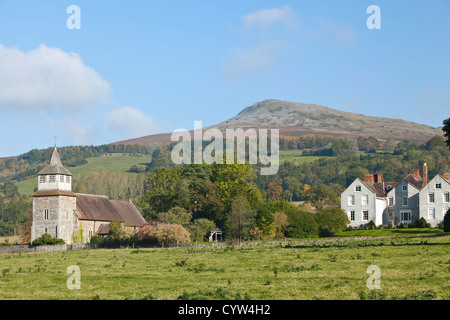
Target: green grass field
111 163
412 267
296 156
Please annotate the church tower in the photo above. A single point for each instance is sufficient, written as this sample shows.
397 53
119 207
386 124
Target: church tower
54 203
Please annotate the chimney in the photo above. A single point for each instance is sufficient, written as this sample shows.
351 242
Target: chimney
369 178
425 174
378 178
415 172
446 175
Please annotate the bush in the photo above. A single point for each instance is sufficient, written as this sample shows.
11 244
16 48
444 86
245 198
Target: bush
331 221
446 221
96 239
301 224
163 233
421 223
47 240
371 225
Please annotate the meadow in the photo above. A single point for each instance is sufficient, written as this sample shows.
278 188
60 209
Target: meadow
412 267
111 163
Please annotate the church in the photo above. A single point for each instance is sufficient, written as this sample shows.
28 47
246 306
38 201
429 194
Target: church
63 214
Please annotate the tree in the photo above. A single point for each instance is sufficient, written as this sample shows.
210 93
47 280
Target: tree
434 143
274 191
446 130
236 180
163 190
175 215
321 196
239 221
207 203
201 228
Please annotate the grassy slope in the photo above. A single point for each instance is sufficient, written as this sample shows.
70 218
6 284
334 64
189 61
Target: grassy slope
113 163
296 156
301 270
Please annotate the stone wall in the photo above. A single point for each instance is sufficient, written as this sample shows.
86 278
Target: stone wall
55 248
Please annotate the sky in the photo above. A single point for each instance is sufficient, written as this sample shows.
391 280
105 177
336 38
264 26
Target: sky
135 68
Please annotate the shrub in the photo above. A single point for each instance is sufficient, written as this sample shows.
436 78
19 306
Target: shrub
331 221
163 233
421 223
446 221
96 239
47 239
301 224
371 225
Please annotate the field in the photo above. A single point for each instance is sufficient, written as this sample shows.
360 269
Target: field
412 267
111 163
296 156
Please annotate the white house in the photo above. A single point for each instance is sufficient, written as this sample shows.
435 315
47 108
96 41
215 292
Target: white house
397 202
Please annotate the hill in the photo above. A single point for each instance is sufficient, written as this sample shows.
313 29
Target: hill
296 119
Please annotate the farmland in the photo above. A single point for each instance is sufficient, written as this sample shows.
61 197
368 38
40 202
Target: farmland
412 267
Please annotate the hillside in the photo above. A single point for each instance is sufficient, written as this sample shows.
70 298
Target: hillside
295 119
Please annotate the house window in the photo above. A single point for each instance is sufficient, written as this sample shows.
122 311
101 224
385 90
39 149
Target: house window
431 197
46 214
365 215
447 197
391 201
438 186
352 215
42 179
405 216
431 213
404 201
52 178
351 200
405 187
391 215
365 200
358 188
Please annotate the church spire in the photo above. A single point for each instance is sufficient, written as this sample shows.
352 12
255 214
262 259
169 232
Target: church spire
55 166
55 160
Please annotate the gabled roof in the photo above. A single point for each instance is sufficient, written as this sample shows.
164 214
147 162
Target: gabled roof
379 188
415 181
100 208
55 166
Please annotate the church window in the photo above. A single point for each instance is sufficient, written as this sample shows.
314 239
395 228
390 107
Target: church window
61 178
46 214
42 179
68 179
52 178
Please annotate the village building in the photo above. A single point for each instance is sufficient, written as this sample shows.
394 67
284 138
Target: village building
64 214
397 202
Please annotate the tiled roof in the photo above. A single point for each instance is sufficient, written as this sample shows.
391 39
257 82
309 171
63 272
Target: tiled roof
103 229
49 193
381 188
100 208
415 181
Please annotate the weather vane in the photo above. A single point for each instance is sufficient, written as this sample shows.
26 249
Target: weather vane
55 140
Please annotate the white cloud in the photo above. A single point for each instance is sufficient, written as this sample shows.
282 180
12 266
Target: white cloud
267 17
247 61
129 122
48 78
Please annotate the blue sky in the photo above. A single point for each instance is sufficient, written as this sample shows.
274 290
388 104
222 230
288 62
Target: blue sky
142 67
